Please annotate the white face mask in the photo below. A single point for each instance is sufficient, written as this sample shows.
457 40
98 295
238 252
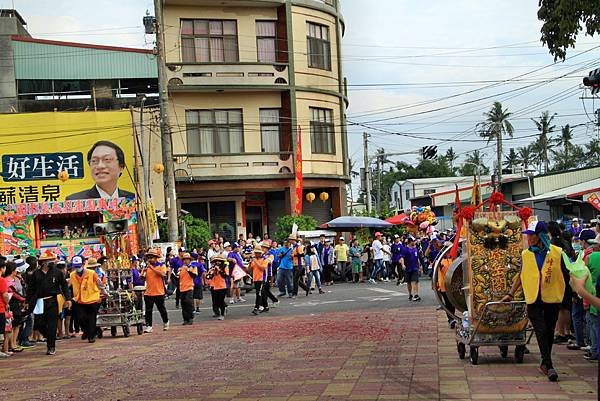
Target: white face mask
80 269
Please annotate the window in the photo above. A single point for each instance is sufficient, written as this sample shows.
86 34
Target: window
265 41
214 131
407 192
319 48
209 41
322 135
269 129
428 191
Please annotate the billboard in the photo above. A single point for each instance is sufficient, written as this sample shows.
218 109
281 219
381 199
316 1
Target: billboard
58 156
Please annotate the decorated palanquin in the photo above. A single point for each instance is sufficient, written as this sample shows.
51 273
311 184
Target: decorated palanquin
494 246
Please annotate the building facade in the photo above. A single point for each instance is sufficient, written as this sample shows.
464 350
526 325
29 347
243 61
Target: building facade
247 80
49 75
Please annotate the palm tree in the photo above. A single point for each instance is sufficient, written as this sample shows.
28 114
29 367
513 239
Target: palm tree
495 126
593 152
544 141
565 139
451 157
526 156
511 161
472 162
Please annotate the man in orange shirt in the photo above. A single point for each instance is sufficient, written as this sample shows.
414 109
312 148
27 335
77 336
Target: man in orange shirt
86 287
155 272
218 276
186 275
259 267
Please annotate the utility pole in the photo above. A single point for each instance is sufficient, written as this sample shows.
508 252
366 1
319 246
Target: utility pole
367 171
499 161
379 166
165 127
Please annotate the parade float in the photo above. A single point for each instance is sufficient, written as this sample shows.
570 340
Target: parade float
486 258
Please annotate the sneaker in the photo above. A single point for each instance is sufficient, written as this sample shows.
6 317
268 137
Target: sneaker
275 304
27 344
166 326
231 301
590 357
221 318
148 329
573 347
410 297
197 310
255 311
321 291
3 355
241 300
263 310
386 280
91 340
51 351
176 306
372 281
587 348
417 298
552 375
560 339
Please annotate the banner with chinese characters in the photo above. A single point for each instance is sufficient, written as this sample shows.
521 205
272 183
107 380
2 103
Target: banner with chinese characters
55 156
594 200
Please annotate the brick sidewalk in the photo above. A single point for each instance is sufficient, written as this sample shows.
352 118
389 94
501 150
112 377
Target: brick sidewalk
397 354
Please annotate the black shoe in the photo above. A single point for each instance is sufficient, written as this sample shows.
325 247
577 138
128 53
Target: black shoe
307 292
560 339
255 311
552 375
264 310
410 297
590 357
453 324
91 340
51 351
526 350
417 298
176 306
573 347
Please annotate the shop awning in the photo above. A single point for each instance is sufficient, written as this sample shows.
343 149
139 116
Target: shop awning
571 191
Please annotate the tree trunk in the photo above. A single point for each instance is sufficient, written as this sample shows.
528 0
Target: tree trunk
499 160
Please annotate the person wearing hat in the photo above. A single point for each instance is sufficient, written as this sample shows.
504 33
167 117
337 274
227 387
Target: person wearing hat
543 286
328 262
235 259
174 265
45 286
575 228
298 252
218 276
266 290
86 287
155 272
199 280
185 277
137 284
259 266
396 249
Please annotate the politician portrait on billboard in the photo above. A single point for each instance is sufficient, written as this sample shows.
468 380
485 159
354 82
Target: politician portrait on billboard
58 156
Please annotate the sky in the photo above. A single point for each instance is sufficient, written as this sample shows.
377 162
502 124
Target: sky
419 73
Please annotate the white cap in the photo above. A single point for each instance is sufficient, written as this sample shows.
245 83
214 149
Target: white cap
342 239
575 219
21 265
225 245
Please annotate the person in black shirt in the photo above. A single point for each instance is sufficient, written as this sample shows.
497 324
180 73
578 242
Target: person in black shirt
47 283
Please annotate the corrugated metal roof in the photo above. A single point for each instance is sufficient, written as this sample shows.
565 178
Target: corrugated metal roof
43 59
565 192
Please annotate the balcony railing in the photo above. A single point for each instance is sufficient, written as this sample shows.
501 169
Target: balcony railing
192 166
182 75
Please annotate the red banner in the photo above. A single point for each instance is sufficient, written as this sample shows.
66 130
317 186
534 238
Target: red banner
299 181
594 200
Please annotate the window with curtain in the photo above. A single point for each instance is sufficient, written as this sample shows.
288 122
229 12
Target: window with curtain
322 134
269 130
209 41
265 41
319 47
214 131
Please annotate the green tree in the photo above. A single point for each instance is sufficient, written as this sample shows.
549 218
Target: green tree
284 225
544 141
592 155
564 20
197 232
451 157
566 160
469 166
496 126
511 161
525 154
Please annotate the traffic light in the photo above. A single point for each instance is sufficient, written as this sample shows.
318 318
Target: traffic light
593 80
429 152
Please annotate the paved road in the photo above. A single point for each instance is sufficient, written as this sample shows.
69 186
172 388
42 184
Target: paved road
358 343
337 298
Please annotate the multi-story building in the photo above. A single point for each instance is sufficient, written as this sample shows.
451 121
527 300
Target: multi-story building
246 78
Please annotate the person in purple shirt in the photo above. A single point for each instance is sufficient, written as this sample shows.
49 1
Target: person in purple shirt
174 265
396 249
410 264
199 281
575 228
138 284
235 258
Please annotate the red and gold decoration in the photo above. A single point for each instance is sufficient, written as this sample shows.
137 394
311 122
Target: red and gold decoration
299 182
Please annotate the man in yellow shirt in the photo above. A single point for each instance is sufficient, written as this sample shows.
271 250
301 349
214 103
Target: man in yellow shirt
543 285
86 287
342 253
